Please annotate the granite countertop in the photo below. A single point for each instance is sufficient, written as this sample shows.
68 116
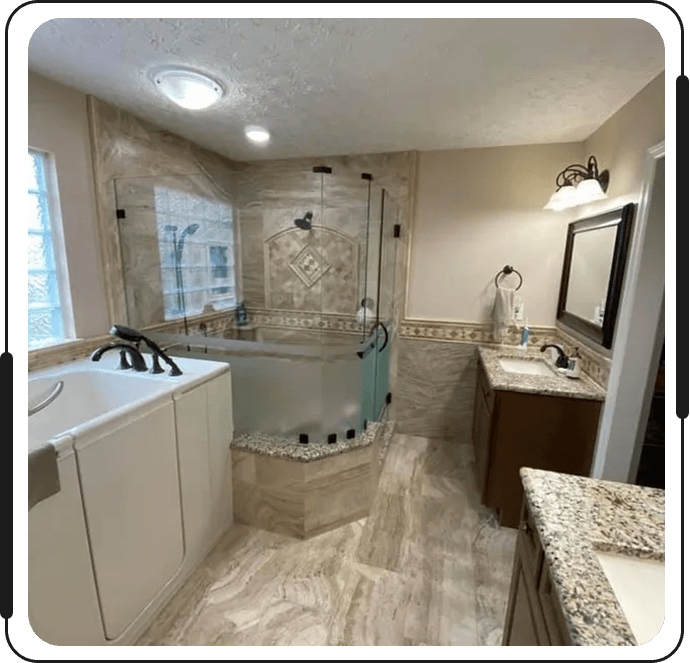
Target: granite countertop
556 385
292 449
576 516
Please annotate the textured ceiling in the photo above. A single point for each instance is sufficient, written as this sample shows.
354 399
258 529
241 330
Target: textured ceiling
347 86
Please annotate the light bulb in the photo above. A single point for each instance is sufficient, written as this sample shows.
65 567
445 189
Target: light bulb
257 134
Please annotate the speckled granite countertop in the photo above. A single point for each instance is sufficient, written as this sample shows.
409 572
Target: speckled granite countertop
574 517
556 385
290 448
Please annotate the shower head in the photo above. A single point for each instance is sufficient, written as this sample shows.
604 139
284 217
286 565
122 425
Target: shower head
189 230
305 223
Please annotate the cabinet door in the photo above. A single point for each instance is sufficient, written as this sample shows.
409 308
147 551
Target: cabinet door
220 432
523 631
131 495
192 442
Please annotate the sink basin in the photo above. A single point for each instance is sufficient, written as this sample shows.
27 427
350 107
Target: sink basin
639 587
525 366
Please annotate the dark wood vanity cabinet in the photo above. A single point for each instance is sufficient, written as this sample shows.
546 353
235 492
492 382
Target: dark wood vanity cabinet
514 429
534 616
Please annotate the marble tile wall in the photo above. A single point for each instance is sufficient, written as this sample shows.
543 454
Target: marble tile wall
125 146
437 368
302 499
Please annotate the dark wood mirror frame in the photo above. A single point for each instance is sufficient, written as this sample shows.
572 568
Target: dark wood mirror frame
604 334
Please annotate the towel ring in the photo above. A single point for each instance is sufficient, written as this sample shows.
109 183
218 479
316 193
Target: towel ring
508 270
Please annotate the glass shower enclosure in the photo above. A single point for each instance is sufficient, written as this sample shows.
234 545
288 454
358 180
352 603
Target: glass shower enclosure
311 253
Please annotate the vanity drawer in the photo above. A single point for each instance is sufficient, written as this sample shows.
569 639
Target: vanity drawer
551 610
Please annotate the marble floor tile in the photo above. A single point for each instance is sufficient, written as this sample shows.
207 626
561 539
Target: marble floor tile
428 567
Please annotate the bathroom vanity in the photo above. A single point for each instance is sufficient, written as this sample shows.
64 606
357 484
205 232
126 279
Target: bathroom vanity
527 415
589 563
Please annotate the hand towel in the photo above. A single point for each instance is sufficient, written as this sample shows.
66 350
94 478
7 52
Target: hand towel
44 479
504 309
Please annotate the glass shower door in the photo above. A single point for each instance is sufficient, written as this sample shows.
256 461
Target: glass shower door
386 331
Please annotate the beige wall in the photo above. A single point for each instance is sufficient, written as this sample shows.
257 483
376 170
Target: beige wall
620 145
58 124
478 210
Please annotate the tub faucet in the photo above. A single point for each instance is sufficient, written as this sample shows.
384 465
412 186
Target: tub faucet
134 336
562 359
138 362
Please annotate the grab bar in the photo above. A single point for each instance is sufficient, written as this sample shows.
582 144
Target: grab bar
49 399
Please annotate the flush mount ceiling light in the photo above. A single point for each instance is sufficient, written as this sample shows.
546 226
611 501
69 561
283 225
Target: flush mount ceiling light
578 185
257 135
187 88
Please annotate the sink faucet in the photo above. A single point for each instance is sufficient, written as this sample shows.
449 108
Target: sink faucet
137 337
138 362
562 359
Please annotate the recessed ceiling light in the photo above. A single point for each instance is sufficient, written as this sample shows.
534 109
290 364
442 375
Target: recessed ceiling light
257 134
187 88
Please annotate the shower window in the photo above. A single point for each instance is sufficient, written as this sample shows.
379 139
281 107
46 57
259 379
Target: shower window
196 244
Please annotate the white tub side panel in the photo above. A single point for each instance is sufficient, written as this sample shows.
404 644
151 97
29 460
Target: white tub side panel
131 496
220 432
192 441
63 606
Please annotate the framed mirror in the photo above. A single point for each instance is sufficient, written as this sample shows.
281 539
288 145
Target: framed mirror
596 252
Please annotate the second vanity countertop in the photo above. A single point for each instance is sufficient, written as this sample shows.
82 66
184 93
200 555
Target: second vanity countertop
575 516
556 385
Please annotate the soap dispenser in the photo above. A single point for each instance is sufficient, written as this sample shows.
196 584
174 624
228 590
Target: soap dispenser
574 365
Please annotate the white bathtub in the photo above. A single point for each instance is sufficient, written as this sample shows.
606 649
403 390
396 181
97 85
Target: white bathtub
145 475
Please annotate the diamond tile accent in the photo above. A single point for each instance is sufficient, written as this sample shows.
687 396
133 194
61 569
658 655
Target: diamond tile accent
309 265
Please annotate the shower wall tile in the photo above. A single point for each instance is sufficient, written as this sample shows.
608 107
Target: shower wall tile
125 146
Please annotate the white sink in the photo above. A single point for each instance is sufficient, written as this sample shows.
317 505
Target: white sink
639 587
525 366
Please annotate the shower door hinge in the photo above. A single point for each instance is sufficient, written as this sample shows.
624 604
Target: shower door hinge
120 213
396 230
323 169
367 176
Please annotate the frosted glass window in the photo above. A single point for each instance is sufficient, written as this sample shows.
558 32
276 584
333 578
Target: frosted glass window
48 317
197 251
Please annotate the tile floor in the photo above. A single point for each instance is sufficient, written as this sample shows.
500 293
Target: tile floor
429 566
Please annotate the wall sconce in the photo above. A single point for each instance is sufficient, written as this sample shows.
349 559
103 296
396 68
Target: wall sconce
578 185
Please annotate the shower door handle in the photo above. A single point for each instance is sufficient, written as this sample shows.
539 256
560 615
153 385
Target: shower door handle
385 331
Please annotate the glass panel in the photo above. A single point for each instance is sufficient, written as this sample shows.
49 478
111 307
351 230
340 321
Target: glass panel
42 289
38 214
40 252
178 248
45 327
386 331
368 411
35 172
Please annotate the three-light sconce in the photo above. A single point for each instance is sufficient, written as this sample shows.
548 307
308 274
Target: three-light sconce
578 185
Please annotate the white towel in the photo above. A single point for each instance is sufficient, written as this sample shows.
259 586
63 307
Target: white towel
504 309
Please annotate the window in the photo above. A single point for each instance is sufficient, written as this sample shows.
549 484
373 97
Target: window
196 243
50 314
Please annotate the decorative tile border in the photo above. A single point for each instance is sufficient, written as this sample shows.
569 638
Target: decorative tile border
305 320
60 354
471 332
595 365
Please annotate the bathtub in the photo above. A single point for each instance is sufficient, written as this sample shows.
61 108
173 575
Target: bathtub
145 492
288 390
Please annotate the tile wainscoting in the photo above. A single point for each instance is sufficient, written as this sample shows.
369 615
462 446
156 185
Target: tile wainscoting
437 373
